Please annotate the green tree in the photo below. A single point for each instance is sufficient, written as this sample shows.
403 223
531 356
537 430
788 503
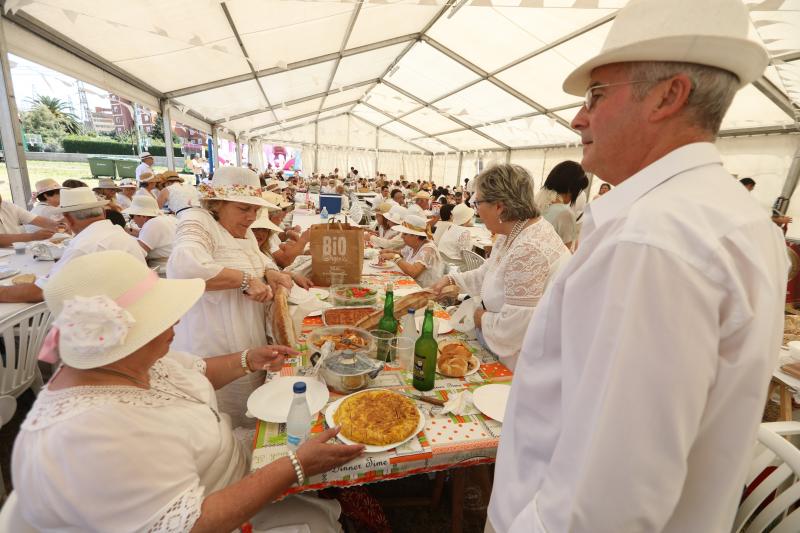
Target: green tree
42 121
60 109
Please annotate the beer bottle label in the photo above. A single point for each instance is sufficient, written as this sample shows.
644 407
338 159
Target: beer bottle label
419 370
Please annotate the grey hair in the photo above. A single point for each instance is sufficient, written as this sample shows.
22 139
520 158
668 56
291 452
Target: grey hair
212 206
85 214
712 92
510 185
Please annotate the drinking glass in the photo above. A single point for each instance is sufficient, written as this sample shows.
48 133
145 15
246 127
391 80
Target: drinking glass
337 278
380 341
401 352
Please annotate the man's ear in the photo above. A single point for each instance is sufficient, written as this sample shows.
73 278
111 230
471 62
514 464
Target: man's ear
669 97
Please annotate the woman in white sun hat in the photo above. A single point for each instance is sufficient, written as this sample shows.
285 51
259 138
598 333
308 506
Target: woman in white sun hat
47 195
156 231
125 196
419 258
391 239
128 436
264 229
455 237
215 243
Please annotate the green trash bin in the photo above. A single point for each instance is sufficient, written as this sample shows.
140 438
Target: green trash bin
126 168
102 166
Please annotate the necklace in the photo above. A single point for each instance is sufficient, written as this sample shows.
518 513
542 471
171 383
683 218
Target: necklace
183 396
515 231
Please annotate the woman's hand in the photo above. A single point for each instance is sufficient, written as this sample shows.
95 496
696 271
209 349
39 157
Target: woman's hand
268 357
317 456
276 279
440 285
477 316
302 281
388 255
258 291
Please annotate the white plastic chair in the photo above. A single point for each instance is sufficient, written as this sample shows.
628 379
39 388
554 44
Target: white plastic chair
782 484
11 518
8 406
471 260
22 334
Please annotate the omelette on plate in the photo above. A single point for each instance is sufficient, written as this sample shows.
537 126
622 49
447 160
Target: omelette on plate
377 417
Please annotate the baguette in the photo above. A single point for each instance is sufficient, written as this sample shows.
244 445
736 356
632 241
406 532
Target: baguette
282 323
418 300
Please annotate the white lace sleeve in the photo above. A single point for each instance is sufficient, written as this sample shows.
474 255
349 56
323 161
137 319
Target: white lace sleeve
192 255
526 273
181 513
426 256
465 240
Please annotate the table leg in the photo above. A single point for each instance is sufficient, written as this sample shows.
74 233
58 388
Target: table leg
786 402
458 477
438 487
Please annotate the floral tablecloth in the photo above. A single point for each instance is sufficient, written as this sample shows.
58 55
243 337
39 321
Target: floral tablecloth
447 441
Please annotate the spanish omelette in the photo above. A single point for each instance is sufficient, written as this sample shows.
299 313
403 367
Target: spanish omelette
378 417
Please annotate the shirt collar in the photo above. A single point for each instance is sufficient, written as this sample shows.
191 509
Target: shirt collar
618 201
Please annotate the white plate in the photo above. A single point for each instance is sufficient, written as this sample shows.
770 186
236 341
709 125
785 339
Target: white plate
476 366
369 448
385 266
299 295
7 273
491 400
444 325
271 401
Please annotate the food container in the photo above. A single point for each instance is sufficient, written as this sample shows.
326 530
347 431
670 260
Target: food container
359 294
349 371
344 337
333 316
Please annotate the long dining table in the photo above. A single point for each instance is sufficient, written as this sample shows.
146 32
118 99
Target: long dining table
447 441
25 264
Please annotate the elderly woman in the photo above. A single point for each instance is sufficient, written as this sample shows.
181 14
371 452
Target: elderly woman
391 238
419 257
526 254
148 185
156 233
559 193
127 435
263 229
107 190
125 196
48 196
455 237
215 243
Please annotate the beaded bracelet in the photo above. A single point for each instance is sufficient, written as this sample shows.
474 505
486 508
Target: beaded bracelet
298 470
245 282
243 361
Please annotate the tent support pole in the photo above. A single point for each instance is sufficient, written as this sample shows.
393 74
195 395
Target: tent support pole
430 171
316 146
167 123
782 203
11 133
215 150
238 151
460 162
508 157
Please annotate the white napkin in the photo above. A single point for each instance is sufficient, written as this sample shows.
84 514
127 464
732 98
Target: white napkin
463 319
459 403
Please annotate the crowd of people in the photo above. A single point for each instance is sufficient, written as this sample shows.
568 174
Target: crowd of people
641 325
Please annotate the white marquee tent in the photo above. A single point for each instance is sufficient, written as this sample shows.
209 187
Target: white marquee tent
421 88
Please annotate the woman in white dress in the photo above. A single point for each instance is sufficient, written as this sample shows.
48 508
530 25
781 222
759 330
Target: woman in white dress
391 238
127 435
557 198
525 255
455 237
48 196
419 258
216 244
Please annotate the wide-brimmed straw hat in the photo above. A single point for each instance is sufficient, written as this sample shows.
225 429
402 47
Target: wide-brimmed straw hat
234 184
396 214
46 185
413 225
127 183
707 32
77 199
383 208
263 222
422 195
143 205
106 183
462 213
275 200
108 305
171 175
149 177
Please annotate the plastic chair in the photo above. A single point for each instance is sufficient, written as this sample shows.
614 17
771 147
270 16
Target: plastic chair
22 335
471 260
8 406
772 483
11 518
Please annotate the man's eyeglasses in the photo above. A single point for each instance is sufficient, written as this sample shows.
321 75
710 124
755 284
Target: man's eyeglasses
589 97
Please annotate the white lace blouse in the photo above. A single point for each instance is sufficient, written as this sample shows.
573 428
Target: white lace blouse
428 256
118 458
453 240
510 284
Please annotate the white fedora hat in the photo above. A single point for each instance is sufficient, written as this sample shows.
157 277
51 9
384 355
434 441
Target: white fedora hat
396 214
106 183
108 305
413 225
706 32
79 198
145 155
263 222
143 205
234 184
462 213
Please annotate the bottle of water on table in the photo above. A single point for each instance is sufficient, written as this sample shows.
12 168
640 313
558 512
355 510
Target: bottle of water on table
298 423
324 213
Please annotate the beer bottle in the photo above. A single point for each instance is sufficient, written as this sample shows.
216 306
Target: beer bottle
425 352
388 322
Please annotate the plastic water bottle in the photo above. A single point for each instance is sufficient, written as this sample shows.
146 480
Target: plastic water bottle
324 213
409 326
298 423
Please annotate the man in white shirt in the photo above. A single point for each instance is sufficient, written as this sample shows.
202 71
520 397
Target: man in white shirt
12 221
145 166
421 205
84 216
156 233
643 375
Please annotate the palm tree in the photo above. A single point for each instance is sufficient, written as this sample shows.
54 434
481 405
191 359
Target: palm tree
60 109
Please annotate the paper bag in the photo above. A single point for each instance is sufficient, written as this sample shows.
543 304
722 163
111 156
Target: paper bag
336 248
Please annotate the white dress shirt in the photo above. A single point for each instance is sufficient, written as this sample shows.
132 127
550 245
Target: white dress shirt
141 169
158 234
643 374
12 218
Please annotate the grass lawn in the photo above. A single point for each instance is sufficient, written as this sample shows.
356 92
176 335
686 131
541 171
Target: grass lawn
57 170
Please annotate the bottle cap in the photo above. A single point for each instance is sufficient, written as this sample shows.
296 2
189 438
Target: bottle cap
430 305
299 387
411 311
390 287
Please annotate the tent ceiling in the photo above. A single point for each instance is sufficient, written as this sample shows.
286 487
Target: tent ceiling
433 76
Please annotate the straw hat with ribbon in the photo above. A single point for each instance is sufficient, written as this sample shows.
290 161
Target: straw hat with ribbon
263 222
234 184
414 225
127 183
171 175
149 177
711 32
106 183
108 305
145 155
396 214
77 199
462 214
46 185
275 200
143 205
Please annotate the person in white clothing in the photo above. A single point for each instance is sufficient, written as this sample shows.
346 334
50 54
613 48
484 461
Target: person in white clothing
148 185
177 195
48 195
216 244
391 238
421 204
563 186
419 258
525 256
643 375
146 166
125 420
12 219
454 236
125 195
156 231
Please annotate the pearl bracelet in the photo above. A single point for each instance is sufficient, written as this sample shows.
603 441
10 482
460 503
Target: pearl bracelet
243 361
245 282
298 469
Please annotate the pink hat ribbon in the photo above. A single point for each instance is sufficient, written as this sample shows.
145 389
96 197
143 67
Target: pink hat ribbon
49 351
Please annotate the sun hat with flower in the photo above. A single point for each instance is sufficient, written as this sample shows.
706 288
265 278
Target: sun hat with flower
108 305
413 225
234 184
